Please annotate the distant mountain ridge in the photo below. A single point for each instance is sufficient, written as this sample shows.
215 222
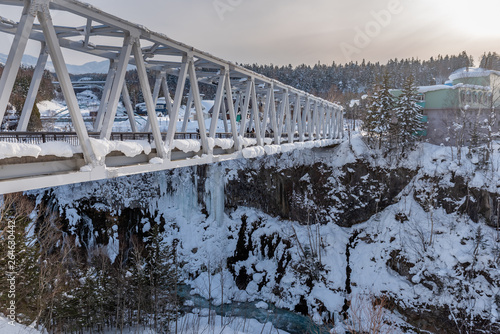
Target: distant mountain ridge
90 67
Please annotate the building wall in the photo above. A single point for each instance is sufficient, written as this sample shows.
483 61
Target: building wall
451 113
442 99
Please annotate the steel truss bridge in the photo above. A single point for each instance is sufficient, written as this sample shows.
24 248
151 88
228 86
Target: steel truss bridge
271 109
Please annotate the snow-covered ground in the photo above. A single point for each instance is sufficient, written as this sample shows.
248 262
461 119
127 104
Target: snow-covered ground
200 323
193 323
9 327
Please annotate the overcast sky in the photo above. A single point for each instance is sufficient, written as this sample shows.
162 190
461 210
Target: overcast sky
307 31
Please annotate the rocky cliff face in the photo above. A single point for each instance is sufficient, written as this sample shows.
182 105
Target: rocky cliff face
318 193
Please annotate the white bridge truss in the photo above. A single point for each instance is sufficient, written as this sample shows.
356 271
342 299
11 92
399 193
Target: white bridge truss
271 108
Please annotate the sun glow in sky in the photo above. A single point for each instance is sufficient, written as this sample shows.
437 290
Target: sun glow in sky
479 18
299 31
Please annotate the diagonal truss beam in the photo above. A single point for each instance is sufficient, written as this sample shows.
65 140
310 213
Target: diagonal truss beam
117 87
15 55
66 86
33 90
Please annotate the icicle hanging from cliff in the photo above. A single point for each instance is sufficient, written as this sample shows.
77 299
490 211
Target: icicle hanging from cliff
214 193
186 194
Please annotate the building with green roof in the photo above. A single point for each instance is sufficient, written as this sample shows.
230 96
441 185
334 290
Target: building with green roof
468 102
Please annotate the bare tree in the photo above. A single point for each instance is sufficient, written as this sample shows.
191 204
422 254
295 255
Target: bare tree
367 314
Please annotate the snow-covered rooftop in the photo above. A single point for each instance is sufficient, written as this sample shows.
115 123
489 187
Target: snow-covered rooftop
426 89
472 72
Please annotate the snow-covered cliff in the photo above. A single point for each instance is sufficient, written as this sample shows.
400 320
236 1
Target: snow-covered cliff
340 234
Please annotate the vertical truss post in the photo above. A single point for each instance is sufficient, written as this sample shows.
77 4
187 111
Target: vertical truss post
324 122
129 107
15 54
274 118
266 112
246 104
296 114
330 127
33 90
310 121
289 119
232 114
321 121
225 109
187 112
341 124
250 121
166 92
105 96
179 93
146 90
198 106
316 128
303 120
117 87
88 30
334 124
217 103
67 89
156 94
237 101
327 122
255 113
157 88
281 114
318 121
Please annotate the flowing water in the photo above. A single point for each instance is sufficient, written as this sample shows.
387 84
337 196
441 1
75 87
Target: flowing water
291 322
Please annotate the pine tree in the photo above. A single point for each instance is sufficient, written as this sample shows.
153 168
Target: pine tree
160 267
380 110
408 114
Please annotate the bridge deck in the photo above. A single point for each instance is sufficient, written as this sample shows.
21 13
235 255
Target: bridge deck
27 172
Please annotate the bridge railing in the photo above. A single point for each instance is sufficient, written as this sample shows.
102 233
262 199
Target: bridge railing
71 138
40 137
